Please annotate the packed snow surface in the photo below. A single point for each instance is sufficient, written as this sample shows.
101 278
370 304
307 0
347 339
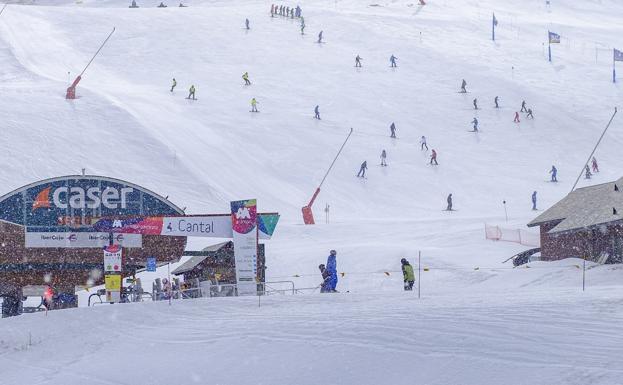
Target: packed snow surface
479 321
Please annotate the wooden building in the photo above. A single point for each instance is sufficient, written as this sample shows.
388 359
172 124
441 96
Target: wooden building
587 223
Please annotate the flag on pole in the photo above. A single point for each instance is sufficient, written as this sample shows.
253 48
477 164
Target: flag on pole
554 37
618 55
495 21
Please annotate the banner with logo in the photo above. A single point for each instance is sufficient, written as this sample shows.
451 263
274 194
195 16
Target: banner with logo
244 228
112 285
212 226
80 240
112 259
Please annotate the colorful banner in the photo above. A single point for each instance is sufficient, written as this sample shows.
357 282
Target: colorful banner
244 227
80 240
211 226
113 287
112 259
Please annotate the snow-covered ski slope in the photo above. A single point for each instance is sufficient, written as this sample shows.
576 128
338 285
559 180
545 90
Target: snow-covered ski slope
494 325
204 153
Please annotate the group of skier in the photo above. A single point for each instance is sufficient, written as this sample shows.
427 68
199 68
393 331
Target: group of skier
329 274
286 11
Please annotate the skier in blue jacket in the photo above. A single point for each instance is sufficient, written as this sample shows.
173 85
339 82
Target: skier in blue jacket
332 270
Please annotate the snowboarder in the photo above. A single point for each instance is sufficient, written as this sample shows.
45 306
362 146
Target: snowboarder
392 61
254 105
475 123
191 92
317 112
325 278
392 130
587 173
423 143
463 85
320 37
523 106
302 28
554 172
449 200
534 201
358 61
530 116
496 100
362 169
433 157
516 120
475 104
174 84
246 23
595 166
383 158
407 274
245 77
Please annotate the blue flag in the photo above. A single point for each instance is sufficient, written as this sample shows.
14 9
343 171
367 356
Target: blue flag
618 55
495 21
554 37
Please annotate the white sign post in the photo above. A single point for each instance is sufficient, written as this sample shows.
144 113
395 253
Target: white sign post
244 225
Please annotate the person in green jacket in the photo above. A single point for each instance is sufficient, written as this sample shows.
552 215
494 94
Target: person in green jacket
245 77
254 105
408 275
191 92
173 85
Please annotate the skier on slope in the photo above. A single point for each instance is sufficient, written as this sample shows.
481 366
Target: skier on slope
362 169
423 143
529 116
332 270
245 77
463 85
320 37
324 286
433 157
475 123
392 130
595 166
407 274
523 106
496 100
475 104
174 84
516 120
191 92
302 27
246 23
392 61
554 172
383 158
449 200
254 105
534 201
317 112
358 60
587 172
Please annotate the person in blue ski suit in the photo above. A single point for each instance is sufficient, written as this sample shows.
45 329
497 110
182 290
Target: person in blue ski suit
392 61
554 172
332 270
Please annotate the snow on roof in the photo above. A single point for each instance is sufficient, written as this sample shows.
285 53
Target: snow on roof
585 207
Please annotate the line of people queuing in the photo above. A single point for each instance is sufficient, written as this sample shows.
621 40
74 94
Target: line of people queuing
286 11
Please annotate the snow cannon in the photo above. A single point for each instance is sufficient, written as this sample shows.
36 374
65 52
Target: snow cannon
71 90
308 214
